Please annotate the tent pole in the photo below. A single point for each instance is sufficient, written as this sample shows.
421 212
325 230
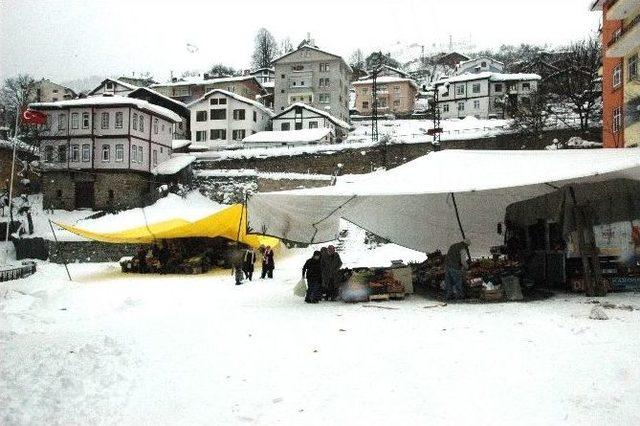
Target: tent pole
244 206
57 245
455 207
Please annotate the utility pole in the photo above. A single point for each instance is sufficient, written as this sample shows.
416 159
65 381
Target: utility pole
435 111
374 105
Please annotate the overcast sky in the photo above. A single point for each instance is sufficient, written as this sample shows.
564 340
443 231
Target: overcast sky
69 39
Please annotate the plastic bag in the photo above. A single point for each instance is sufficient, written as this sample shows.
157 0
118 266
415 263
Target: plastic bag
300 289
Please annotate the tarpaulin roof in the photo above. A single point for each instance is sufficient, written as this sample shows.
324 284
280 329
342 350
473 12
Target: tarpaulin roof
413 204
230 223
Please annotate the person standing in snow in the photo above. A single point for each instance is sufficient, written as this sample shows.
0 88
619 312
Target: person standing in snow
248 263
331 264
25 209
312 271
454 270
237 257
268 263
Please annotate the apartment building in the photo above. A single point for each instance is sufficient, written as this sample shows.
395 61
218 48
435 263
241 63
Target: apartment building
220 117
48 91
314 77
484 95
396 93
99 152
190 89
620 34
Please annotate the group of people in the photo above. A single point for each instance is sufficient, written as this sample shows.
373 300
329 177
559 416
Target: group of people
156 258
23 207
322 272
244 263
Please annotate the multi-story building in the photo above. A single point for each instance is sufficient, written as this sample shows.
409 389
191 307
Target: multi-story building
314 77
300 116
99 152
395 93
484 95
220 117
189 89
620 74
48 91
478 65
181 130
264 75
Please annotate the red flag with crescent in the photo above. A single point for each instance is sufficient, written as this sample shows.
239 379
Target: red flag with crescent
30 116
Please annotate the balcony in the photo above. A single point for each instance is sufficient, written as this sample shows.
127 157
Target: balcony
628 40
622 9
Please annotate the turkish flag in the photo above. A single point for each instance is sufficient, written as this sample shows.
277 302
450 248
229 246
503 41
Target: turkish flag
30 116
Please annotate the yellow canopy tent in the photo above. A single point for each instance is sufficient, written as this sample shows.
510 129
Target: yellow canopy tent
230 223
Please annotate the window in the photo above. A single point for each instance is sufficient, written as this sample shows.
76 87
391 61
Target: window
313 124
109 86
460 89
460 106
104 120
282 76
62 121
324 82
62 153
617 76
213 101
324 98
498 87
48 154
223 101
119 120
475 88
483 64
365 105
154 157
324 67
298 126
75 120
476 104
218 114
285 126
238 114
255 116
297 67
218 134
365 90
135 121
238 135
86 152
75 152
119 152
155 125
106 153
201 135
396 102
526 87
85 120
201 115
140 154
632 63
141 123
445 108
134 153
617 119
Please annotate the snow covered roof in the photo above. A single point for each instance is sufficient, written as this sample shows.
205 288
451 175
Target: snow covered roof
115 81
480 58
493 76
158 94
301 136
334 120
385 79
106 101
180 143
173 165
203 81
307 46
263 69
234 96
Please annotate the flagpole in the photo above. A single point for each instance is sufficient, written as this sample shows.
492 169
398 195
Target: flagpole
13 167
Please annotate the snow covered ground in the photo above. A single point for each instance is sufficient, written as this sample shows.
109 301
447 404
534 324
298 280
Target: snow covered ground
111 348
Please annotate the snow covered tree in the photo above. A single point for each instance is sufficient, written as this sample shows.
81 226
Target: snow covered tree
378 58
286 46
16 94
221 70
576 83
530 114
265 50
356 61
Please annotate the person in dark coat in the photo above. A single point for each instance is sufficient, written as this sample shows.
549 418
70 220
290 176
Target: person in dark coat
237 257
454 271
268 264
248 263
142 260
331 264
312 271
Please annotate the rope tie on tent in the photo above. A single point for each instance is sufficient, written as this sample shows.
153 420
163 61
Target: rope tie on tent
327 217
455 207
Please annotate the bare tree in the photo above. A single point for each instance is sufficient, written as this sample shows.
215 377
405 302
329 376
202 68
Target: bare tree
265 50
286 46
356 61
576 83
221 70
530 114
16 95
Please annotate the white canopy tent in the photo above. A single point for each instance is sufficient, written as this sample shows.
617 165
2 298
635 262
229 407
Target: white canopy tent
414 205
